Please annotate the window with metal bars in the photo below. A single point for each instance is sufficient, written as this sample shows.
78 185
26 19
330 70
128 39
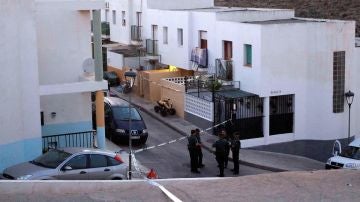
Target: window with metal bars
338 81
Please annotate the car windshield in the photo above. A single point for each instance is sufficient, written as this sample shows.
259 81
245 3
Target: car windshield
122 113
351 152
51 159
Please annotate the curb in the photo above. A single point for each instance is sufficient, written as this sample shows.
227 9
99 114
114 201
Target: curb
155 116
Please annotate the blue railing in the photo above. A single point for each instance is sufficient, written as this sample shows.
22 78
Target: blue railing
80 139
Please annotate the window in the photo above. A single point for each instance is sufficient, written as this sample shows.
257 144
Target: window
78 162
114 16
113 162
203 39
123 20
98 161
138 18
106 16
338 81
154 29
248 55
227 50
180 37
122 113
165 35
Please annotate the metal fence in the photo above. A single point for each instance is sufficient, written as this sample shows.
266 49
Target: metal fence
152 47
136 33
80 139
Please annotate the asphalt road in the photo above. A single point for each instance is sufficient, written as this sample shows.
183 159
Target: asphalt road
172 160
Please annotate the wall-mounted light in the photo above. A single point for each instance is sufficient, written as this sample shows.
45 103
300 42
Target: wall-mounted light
53 114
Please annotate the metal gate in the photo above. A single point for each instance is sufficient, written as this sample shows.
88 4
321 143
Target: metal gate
247 110
281 114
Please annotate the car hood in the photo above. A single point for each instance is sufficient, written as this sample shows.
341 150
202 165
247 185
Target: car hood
26 168
343 160
135 125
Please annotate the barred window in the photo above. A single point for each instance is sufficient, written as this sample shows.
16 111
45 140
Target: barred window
338 81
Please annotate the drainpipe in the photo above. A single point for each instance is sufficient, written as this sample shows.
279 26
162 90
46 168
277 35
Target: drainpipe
100 120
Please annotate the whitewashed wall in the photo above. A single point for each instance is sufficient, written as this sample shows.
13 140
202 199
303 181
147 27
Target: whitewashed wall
171 53
20 105
62 50
115 59
119 33
298 58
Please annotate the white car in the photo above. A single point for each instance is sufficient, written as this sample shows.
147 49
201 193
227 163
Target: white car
348 157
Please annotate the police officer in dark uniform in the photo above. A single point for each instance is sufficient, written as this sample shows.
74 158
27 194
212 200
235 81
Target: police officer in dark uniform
235 149
199 149
192 147
221 147
227 138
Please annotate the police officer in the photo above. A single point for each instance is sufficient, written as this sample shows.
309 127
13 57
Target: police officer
192 147
221 147
227 138
235 149
199 149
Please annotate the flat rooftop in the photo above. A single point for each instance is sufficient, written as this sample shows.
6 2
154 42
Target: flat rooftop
281 21
218 9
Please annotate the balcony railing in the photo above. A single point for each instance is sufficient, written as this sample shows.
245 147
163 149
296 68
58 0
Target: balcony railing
224 69
80 139
152 47
136 33
105 28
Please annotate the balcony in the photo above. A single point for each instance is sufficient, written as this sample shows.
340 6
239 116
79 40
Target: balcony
152 47
79 139
105 29
136 33
224 69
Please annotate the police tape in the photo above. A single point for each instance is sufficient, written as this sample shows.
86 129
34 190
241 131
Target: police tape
152 182
202 132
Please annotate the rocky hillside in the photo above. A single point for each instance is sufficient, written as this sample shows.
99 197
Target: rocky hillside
329 9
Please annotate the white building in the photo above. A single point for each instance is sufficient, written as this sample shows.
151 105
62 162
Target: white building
46 92
298 68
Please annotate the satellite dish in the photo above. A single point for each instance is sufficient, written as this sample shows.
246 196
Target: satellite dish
89 65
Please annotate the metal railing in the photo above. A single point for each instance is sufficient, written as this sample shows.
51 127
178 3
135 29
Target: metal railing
80 139
152 47
105 28
136 33
224 69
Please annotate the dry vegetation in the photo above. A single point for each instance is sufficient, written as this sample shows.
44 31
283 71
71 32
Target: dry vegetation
329 9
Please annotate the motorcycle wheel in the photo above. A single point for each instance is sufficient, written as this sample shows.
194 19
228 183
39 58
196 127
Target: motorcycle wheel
163 112
157 109
172 111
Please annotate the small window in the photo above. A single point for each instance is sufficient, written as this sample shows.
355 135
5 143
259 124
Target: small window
42 118
165 35
248 55
98 161
78 162
114 17
106 16
123 20
180 37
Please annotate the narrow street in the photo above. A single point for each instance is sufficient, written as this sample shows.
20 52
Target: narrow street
172 160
